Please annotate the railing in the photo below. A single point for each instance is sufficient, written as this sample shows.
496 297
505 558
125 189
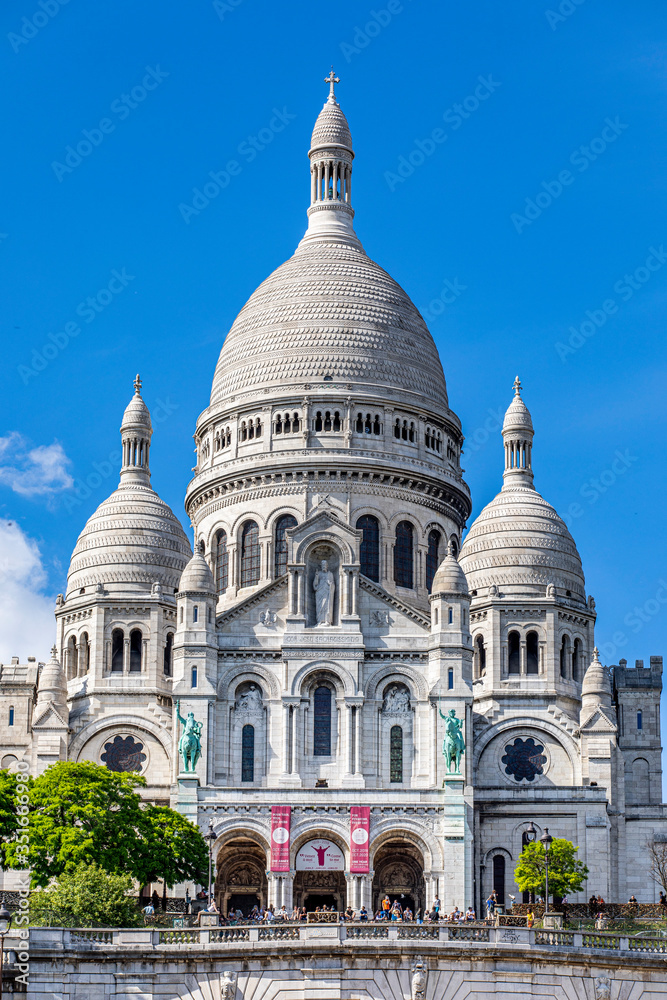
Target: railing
350 934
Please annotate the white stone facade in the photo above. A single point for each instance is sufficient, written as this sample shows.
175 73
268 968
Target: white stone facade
329 437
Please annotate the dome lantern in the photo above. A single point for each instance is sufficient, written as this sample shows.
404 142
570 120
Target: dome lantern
518 440
330 214
136 431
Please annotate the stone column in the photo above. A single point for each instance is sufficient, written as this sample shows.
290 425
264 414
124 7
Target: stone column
357 740
351 881
286 740
288 891
522 651
126 656
272 889
366 893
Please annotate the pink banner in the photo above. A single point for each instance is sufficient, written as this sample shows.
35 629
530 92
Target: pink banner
280 821
360 825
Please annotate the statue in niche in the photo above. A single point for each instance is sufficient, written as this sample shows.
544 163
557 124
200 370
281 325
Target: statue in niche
325 590
396 701
250 700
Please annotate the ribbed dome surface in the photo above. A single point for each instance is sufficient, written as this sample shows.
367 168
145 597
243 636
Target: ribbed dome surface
520 544
331 128
131 541
449 578
197 576
330 311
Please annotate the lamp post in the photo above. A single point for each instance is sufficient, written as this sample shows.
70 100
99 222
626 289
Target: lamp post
529 837
210 836
546 839
5 924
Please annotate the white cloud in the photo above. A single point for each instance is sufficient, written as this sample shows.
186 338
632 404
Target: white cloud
27 625
40 471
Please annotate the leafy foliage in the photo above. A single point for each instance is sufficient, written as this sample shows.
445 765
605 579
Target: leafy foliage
8 815
567 873
87 896
85 814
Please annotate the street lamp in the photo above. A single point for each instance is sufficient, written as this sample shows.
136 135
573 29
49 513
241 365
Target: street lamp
531 833
211 837
546 840
5 924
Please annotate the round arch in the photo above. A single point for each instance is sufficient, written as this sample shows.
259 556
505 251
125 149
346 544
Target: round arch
331 538
523 722
93 729
249 672
387 831
386 672
344 682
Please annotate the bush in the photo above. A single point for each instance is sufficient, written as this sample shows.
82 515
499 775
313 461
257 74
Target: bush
86 897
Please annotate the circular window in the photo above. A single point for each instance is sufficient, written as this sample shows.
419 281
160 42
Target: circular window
123 754
524 759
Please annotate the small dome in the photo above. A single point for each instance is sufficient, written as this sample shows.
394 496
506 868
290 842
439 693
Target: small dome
520 544
197 576
131 541
52 685
449 577
331 128
517 416
597 681
136 413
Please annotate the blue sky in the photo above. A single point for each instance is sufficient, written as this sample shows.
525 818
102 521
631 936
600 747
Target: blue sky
540 200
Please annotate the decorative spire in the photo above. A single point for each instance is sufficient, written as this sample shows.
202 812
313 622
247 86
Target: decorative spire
330 214
518 438
331 79
136 431
596 655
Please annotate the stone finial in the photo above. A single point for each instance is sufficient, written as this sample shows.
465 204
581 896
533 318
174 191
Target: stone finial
596 655
331 79
517 386
54 652
137 385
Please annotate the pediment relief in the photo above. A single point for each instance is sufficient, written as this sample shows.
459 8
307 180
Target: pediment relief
598 722
49 719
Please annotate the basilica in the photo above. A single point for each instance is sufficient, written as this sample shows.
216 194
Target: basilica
333 623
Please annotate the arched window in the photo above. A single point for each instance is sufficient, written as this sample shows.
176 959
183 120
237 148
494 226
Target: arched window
403 554
117 643
396 754
322 722
513 653
450 679
135 650
221 562
168 650
640 720
359 426
455 545
564 655
280 552
195 614
11 715
72 658
369 550
576 659
432 557
248 753
480 656
193 677
84 658
499 877
318 421
532 653
249 554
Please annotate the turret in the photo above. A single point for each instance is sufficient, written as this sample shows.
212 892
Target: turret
136 431
518 439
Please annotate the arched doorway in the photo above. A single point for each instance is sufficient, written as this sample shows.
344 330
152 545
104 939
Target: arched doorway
240 881
399 874
319 862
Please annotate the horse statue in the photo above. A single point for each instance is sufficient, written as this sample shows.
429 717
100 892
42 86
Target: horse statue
453 745
189 745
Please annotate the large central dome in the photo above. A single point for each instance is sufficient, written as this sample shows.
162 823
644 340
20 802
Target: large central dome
330 312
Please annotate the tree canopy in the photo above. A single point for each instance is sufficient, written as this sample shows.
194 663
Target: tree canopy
85 814
87 897
567 873
8 814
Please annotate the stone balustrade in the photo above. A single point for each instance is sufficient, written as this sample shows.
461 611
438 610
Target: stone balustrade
346 935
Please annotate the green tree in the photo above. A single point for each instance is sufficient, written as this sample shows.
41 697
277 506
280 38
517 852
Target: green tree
82 814
567 873
8 815
87 896
173 849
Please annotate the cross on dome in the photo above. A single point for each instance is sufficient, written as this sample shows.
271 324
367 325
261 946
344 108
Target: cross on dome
331 79
137 385
517 386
